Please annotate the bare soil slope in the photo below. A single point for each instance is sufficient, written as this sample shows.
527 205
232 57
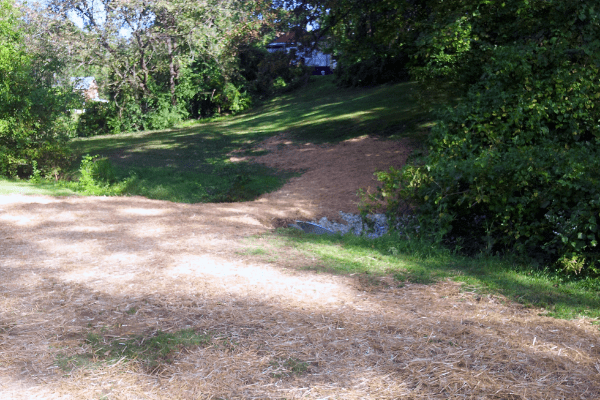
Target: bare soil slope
131 266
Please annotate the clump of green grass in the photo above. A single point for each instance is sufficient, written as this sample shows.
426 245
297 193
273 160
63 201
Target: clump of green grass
418 261
257 251
68 363
150 351
288 367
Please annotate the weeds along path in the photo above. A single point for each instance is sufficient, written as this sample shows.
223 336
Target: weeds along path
81 276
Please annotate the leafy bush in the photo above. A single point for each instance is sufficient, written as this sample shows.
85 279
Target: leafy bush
230 98
278 72
375 70
515 166
96 175
34 122
164 115
95 120
106 118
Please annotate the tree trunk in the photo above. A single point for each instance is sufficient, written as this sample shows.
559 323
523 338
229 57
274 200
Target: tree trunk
173 69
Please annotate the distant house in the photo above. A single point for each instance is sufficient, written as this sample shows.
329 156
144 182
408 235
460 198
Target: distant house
87 86
323 63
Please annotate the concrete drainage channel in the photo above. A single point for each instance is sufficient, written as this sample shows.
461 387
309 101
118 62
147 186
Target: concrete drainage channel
354 225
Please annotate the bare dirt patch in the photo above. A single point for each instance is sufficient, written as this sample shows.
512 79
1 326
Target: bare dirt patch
118 267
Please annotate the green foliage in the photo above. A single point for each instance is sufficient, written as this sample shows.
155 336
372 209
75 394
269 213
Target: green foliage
184 59
34 122
95 120
96 176
371 41
164 115
230 98
375 70
514 167
261 75
386 196
36 176
277 73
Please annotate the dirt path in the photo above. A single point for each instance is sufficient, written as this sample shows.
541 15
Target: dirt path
131 266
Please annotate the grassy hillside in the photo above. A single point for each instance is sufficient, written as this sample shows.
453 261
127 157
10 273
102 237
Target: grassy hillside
191 163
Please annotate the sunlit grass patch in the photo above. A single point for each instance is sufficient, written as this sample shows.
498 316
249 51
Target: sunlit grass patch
191 163
10 186
350 254
414 261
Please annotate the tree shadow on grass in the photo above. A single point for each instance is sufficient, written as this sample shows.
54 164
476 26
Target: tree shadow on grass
193 164
324 113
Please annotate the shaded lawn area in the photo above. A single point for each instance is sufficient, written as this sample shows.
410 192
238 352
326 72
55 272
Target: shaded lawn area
192 164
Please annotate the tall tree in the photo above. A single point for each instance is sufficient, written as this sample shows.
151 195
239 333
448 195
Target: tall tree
153 51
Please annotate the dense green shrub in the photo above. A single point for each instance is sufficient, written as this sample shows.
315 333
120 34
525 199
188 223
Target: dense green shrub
276 73
94 170
515 166
34 118
97 177
108 118
375 70
94 121
232 98
163 114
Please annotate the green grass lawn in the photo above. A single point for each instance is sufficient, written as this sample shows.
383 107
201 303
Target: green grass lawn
8 186
191 163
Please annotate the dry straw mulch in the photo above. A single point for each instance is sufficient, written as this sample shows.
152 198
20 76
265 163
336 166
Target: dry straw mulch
120 267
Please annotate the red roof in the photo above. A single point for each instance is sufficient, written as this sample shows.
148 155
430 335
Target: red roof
285 38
